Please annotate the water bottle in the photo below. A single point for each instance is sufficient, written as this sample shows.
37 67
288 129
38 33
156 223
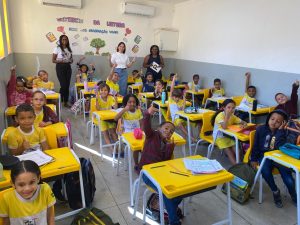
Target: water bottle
1 173
254 108
85 85
163 97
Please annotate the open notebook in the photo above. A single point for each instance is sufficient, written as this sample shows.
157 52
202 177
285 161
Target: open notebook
39 157
238 128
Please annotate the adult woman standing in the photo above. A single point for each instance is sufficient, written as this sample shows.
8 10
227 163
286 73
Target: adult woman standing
154 62
121 60
62 56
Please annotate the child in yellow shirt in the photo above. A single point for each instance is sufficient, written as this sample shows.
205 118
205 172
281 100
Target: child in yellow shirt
26 137
105 102
217 90
42 81
29 201
112 82
222 119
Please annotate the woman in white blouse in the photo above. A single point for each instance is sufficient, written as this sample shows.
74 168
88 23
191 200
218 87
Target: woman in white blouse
122 61
62 56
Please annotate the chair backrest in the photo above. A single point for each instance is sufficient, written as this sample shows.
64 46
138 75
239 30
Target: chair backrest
206 123
237 99
249 150
51 137
205 96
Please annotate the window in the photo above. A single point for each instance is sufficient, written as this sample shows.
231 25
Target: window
6 26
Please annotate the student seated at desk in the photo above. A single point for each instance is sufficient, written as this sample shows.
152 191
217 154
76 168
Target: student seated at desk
176 103
159 89
289 106
42 82
16 90
84 73
44 115
248 99
268 137
131 116
26 137
157 148
112 81
137 76
223 118
105 102
148 85
29 201
217 90
194 85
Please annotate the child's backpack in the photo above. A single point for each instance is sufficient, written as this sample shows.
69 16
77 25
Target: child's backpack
92 216
152 210
291 150
72 184
241 184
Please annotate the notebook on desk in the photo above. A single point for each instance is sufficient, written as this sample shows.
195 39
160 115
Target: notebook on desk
239 129
39 157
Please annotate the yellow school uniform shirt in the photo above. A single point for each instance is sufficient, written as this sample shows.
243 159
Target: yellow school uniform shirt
220 139
218 93
131 120
114 88
38 83
106 105
247 102
39 118
27 211
174 107
138 81
35 138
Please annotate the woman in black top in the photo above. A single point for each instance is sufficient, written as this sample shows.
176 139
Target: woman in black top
154 63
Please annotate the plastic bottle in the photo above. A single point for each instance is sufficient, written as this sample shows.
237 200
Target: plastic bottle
163 97
1 173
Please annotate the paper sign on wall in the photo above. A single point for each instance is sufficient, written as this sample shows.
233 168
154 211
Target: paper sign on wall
135 48
50 36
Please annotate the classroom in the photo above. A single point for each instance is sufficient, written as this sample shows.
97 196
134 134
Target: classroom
127 83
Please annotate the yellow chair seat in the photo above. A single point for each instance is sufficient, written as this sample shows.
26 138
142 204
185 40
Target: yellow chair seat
11 111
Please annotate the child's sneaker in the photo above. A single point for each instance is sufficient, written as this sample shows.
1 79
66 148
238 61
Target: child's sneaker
277 199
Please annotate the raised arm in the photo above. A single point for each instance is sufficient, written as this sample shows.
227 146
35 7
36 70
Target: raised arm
111 73
247 75
120 114
173 84
147 120
131 62
294 95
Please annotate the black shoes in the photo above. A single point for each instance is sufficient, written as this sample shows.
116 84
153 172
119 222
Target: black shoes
277 199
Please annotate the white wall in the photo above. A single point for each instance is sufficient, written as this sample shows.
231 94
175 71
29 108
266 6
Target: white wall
32 21
256 34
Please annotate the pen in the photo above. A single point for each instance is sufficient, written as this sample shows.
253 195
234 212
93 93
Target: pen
157 166
179 174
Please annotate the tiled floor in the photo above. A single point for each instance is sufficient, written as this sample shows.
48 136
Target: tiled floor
112 195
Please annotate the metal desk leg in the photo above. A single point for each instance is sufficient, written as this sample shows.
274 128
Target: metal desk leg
189 136
59 107
159 113
258 174
237 152
250 117
130 175
193 99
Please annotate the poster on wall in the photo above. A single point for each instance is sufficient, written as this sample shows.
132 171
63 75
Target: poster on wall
50 36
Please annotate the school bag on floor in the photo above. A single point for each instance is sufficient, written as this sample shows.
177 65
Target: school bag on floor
241 184
92 216
72 184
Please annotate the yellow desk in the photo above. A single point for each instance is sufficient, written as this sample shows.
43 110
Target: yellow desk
57 98
237 137
133 144
176 185
62 165
79 86
193 93
193 117
98 116
11 111
258 112
218 100
287 161
144 96
135 88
